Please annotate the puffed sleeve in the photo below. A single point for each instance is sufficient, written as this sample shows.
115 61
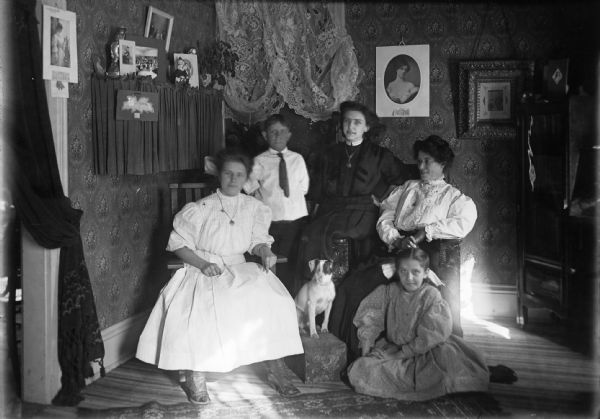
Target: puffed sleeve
385 224
186 227
370 316
260 225
435 326
462 215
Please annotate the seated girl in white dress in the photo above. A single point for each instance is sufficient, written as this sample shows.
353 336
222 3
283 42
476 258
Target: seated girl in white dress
219 312
417 358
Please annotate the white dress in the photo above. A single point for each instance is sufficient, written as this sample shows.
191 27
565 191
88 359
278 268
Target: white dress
243 316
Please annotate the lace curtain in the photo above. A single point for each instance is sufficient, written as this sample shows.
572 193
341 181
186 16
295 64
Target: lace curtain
297 53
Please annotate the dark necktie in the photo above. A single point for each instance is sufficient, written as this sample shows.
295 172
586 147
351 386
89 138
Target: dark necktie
283 177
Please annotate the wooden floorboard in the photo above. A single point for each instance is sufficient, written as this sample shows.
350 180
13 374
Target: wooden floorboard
554 380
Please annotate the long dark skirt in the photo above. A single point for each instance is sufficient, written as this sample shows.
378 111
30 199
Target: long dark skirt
355 221
444 261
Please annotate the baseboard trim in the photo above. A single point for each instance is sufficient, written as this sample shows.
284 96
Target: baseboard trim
120 342
490 300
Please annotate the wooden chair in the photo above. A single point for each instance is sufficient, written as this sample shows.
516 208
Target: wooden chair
181 194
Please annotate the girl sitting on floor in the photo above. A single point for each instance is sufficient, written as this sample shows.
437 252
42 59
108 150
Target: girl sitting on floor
417 357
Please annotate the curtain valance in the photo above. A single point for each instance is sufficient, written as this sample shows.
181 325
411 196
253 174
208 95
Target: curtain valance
189 127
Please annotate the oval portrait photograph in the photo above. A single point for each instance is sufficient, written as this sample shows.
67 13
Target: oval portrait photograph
402 79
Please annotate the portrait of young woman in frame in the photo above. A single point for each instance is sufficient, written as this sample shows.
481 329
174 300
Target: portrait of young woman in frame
402 81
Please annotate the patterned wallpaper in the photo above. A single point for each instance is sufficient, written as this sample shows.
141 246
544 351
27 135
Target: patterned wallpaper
123 227
483 169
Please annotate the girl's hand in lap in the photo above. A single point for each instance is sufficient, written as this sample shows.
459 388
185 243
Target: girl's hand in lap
386 352
211 269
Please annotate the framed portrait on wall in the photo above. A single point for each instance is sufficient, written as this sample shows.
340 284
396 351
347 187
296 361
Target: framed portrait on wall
159 25
59 45
488 92
402 81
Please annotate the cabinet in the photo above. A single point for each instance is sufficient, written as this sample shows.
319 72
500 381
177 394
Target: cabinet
555 244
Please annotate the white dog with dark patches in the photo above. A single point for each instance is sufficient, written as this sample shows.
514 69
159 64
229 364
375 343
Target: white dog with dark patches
316 297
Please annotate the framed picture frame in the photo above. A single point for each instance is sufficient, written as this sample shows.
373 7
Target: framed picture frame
127 64
402 81
488 92
59 45
185 69
159 25
137 106
150 57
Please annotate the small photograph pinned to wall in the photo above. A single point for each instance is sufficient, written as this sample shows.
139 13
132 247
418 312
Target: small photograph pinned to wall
127 63
186 69
137 106
402 81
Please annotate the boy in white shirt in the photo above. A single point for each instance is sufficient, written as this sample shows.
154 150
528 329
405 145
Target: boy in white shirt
280 179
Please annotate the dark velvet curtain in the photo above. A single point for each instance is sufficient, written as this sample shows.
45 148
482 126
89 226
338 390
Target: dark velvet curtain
189 127
46 213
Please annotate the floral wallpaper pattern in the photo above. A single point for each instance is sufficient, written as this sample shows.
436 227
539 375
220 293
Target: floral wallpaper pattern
125 227
483 169
125 224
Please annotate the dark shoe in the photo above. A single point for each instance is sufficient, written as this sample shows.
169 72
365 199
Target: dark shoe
284 387
195 387
502 374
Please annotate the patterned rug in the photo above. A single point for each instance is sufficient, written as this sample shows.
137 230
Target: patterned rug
346 404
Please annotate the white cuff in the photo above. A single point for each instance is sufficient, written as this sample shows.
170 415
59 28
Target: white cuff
429 230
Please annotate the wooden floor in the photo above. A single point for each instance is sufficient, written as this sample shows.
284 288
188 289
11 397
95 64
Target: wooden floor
554 381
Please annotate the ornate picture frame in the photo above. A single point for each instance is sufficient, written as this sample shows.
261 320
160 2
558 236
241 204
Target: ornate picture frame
159 25
488 92
59 45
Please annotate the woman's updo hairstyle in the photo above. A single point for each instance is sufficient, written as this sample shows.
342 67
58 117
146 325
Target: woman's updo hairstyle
437 148
371 118
232 154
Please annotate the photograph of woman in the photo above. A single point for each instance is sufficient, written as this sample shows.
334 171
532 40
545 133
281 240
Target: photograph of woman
59 44
402 79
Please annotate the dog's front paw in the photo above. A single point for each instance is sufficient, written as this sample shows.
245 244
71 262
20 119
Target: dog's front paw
314 335
324 330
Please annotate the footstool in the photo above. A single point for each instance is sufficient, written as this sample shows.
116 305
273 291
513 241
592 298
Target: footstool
323 359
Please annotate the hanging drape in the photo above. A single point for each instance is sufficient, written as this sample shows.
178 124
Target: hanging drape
297 53
42 207
189 127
